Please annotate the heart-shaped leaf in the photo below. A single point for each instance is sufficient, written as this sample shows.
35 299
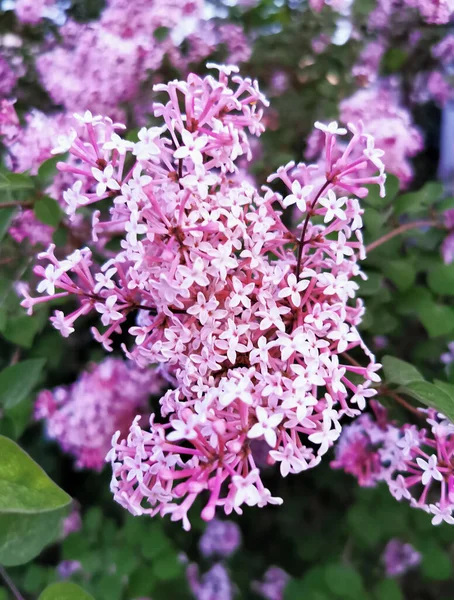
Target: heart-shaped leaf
31 506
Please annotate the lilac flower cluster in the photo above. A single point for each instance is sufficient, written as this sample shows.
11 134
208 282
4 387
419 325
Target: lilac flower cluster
82 417
251 320
392 12
221 538
391 125
399 558
416 463
102 65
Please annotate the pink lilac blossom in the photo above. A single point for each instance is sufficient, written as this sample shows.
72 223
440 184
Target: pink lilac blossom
416 463
438 87
102 65
25 226
37 138
399 558
390 124
9 121
8 78
82 417
444 50
359 446
447 246
220 538
252 319
398 13
273 584
437 12
367 68
31 12
72 523
206 39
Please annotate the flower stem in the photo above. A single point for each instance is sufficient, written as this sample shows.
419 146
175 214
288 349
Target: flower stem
6 578
401 401
398 231
303 233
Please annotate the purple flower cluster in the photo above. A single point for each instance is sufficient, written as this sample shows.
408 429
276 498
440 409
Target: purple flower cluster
83 417
416 463
399 558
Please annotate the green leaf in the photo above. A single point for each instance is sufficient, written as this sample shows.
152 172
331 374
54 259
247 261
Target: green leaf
48 169
415 202
399 371
437 319
441 280
6 216
436 563
391 189
371 285
394 59
413 301
15 181
17 381
65 591
48 211
401 272
161 33
22 330
432 395
297 589
388 589
167 566
344 581
31 506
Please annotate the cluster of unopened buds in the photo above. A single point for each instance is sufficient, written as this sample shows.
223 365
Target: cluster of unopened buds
252 322
416 463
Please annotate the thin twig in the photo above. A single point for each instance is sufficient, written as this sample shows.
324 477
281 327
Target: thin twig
13 204
399 230
6 578
401 401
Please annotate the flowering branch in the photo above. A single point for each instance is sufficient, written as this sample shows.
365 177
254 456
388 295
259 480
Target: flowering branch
399 230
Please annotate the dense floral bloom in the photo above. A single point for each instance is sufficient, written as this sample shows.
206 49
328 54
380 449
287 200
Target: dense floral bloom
358 449
221 538
395 12
389 123
251 319
83 417
102 65
399 558
417 464
33 11
37 139
272 585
